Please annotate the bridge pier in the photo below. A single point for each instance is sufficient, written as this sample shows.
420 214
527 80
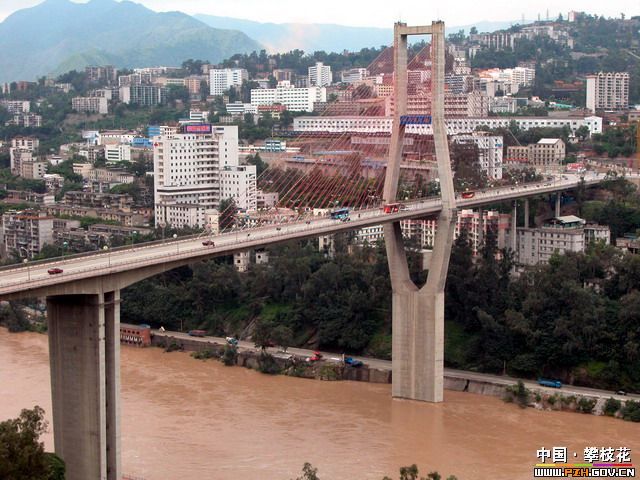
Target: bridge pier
418 313
558 198
84 350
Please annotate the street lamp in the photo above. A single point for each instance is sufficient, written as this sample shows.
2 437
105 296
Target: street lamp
106 249
64 247
175 235
133 233
26 262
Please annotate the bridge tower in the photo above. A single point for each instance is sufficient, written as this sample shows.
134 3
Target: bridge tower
418 313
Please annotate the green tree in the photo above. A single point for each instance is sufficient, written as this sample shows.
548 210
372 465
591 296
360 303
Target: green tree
22 455
228 211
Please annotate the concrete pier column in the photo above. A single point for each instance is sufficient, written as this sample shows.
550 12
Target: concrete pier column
418 317
514 227
558 198
526 213
84 348
480 228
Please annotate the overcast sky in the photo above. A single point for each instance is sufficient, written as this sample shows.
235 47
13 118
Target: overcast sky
376 13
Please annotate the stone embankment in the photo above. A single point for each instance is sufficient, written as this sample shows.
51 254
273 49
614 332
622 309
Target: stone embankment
331 369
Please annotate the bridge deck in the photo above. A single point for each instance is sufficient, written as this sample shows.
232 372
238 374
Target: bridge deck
20 278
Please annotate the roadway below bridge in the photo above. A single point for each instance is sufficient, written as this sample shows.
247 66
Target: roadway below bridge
500 380
33 279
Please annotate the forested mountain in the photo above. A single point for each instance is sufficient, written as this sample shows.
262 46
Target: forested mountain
59 35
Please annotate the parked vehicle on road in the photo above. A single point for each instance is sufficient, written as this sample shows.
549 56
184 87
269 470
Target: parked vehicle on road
54 271
315 357
196 333
208 243
545 382
468 194
232 341
353 362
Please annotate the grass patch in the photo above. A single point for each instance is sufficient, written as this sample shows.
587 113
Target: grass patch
456 344
271 311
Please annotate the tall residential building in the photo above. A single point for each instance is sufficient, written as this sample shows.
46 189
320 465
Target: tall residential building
490 151
187 182
608 91
320 75
107 73
90 104
22 152
16 106
239 183
145 95
26 120
117 153
354 75
559 235
222 79
25 233
227 145
294 99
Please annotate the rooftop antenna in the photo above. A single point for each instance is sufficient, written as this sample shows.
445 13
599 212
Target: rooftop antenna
547 14
523 21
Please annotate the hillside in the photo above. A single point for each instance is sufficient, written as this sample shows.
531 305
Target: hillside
284 37
59 35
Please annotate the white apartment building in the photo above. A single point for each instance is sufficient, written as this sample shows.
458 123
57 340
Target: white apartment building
561 235
424 231
114 137
199 116
320 75
266 199
509 80
16 106
454 125
239 183
117 153
222 79
294 99
26 120
354 75
490 151
187 181
239 108
22 151
227 145
90 104
608 91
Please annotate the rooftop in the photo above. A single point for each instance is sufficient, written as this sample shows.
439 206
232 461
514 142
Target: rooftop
548 141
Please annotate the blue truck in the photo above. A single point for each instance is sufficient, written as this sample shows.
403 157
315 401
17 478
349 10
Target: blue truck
545 382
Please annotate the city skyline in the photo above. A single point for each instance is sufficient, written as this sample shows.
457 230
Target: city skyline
384 15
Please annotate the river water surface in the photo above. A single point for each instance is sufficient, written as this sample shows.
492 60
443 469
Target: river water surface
198 420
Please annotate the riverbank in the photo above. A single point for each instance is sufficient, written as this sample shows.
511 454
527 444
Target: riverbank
331 368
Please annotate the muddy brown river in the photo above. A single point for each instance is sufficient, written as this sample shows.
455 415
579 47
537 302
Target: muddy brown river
194 420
